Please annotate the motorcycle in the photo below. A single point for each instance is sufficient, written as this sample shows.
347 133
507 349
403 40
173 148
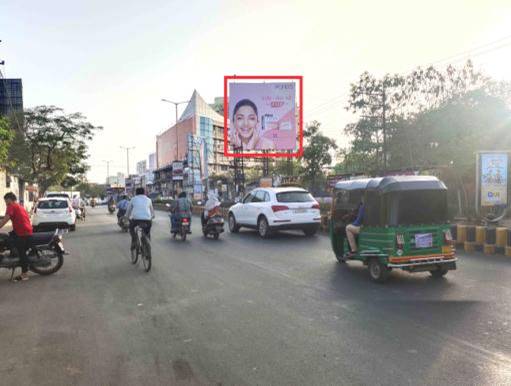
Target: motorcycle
80 213
123 223
45 254
213 224
111 208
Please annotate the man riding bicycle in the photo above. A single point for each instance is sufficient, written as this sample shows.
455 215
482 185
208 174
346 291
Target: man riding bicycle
140 212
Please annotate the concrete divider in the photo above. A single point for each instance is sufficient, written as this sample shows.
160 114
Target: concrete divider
470 242
462 234
480 236
489 242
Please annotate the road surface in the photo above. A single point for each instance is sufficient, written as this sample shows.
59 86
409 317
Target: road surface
246 311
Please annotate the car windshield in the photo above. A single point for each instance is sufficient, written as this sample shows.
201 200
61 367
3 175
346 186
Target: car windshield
294 197
58 195
52 204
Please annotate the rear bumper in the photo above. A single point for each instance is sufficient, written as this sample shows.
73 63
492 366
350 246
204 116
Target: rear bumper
291 226
425 261
52 225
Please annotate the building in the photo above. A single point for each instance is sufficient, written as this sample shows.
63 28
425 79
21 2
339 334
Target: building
11 96
141 167
152 162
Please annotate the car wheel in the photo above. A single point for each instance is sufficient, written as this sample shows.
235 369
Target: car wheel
263 227
233 226
309 232
378 271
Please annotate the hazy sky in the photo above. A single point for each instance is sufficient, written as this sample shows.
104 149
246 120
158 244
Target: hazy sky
114 60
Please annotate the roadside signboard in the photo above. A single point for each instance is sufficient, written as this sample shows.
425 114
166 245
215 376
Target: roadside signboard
493 178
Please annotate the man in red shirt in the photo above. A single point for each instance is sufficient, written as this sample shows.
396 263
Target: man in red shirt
21 235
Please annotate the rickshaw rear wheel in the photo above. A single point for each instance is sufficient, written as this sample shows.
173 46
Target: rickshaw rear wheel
378 271
439 273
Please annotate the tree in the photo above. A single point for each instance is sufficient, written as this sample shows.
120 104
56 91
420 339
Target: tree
52 146
392 103
316 155
6 137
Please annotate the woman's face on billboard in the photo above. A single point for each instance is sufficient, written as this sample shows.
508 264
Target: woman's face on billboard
245 122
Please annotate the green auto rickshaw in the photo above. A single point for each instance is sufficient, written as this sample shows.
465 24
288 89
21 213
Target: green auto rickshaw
404 225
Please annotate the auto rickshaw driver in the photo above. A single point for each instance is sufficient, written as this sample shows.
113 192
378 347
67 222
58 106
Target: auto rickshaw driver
353 229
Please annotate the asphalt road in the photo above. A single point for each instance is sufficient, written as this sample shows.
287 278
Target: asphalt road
246 311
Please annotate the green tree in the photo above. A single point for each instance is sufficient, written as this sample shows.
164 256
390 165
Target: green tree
52 146
316 155
6 137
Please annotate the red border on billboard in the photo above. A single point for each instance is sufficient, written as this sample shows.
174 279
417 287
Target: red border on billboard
296 154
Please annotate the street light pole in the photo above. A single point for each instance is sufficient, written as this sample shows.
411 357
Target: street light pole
107 169
127 158
177 135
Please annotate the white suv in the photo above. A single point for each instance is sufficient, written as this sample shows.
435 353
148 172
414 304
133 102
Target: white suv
54 212
270 209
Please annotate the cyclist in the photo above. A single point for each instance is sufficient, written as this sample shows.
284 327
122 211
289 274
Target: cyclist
140 212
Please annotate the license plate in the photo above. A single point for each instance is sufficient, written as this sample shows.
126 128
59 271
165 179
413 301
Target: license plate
300 210
423 240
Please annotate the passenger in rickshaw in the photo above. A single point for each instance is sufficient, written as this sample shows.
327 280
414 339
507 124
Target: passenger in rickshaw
353 229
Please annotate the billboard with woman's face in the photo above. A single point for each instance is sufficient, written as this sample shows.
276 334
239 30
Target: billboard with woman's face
262 116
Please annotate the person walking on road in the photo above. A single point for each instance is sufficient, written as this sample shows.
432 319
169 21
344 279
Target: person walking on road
21 235
140 212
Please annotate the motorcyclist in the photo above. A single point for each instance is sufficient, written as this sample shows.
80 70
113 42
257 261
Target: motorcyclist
21 236
122 206
140 212
211 203
111 204
181 208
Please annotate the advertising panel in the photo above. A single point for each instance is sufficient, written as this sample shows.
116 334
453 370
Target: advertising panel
494 169
262 116
177 170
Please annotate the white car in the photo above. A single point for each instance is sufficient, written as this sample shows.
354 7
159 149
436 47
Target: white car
53 212
271 209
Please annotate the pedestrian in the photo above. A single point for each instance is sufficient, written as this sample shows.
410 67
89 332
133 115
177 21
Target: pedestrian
21 236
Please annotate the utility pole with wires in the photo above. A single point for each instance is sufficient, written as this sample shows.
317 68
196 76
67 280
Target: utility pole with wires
107 169
379 114
127 158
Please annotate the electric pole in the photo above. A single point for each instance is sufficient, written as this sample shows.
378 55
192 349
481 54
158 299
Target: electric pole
177 134
127 158
107 169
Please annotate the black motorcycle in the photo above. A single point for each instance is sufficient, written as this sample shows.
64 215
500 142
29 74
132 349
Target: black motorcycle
213 225
45 254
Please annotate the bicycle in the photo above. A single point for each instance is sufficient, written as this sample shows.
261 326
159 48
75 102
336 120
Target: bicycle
142 248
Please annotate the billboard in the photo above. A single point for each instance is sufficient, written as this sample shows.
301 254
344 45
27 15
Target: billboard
494 173
262 116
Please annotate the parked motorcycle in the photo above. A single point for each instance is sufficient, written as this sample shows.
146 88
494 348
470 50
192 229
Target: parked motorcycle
45 255
213 224
123 223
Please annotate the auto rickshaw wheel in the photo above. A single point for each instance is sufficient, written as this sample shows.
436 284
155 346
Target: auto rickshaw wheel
439 273
378 271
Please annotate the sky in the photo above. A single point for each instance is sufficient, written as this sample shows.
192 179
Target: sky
115 60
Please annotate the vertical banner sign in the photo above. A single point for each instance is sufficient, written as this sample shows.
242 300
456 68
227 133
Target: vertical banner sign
494 179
